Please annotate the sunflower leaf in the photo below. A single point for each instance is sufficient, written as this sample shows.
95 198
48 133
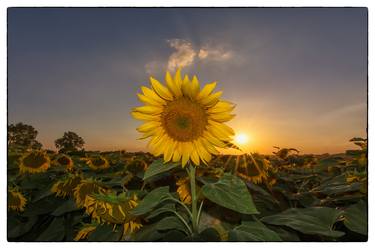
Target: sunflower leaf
313 220
356 218
151 200
230 192
158 167
253 231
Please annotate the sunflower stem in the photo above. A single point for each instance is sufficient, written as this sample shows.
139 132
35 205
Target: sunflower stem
193 200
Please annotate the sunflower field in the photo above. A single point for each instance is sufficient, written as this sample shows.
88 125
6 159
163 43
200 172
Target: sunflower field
123 196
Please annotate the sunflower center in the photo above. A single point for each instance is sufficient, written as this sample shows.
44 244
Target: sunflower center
34 160
64 160
183 119
98 161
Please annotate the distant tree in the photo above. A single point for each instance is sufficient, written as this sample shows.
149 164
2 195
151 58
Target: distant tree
22 137
69 142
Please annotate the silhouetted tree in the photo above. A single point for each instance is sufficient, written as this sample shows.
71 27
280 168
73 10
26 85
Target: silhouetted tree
69 142
22 137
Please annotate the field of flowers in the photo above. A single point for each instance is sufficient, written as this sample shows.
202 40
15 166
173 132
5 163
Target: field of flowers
122 196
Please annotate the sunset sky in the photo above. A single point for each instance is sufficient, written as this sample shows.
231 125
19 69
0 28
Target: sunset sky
297 76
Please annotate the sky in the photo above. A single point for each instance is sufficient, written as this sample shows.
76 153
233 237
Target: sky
298 76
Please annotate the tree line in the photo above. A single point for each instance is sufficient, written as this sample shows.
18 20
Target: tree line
22 137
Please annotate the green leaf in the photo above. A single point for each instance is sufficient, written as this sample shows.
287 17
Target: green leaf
104 233
314 220
230 192
253 231
54 232
22 228
66 207
151 200
168 207
171 223
43 206
157 167
356 217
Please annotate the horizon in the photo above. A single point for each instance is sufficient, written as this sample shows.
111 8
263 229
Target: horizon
298 76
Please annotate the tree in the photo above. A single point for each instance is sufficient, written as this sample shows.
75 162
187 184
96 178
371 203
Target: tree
70 141
22 137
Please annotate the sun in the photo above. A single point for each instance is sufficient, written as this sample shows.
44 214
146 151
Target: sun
241 139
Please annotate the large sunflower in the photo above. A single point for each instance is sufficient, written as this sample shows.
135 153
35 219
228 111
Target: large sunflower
184 122
34 162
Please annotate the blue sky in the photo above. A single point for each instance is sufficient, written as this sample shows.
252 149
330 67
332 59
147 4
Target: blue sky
298 76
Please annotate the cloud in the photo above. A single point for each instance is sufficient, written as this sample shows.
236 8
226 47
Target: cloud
183 56
214 53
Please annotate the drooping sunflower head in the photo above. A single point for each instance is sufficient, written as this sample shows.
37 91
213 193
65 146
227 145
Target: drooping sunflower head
254 168
113 209
85 231
16 200
97 163
84 188
183 190
65 187
184 121
34 162
65 161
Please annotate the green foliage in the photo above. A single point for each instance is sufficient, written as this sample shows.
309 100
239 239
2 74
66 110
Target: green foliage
301 198
314 220
158 167
230 192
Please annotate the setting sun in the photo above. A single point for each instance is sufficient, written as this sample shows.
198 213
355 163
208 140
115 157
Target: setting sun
241 139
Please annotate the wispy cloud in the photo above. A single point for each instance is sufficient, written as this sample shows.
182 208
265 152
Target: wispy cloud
183 56
215 53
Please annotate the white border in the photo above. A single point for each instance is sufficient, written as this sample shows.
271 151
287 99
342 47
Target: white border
4 4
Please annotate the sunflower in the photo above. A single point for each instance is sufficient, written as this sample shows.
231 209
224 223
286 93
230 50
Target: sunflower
84 188
85 231
65 187
16 200
184 122
183 190
34 162
113 209
254 168
65 161
97 163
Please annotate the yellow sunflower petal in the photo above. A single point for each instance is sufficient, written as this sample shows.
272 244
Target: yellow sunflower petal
186 86
174 87
170 145
145 117
222 117
203 154
147 101
221 106
161 90
148 126
177 153
149 93
208 146
213 140
194 156
187 149
194 87
149 109
212 99
207 89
